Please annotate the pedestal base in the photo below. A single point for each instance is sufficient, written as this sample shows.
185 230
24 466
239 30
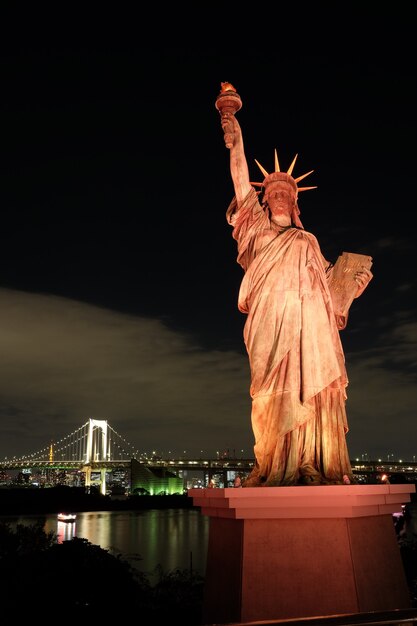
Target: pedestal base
292 552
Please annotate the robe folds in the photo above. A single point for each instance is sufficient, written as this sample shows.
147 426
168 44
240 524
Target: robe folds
297 365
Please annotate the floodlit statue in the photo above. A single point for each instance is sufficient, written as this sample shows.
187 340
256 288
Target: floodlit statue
296 303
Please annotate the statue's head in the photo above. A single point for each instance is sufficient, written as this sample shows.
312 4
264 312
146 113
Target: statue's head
278 180
283 181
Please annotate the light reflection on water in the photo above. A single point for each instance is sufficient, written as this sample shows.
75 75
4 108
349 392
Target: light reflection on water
172 538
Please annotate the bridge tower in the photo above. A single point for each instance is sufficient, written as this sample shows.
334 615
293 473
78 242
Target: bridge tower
97 450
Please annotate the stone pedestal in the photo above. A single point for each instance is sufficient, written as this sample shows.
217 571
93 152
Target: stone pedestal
293 552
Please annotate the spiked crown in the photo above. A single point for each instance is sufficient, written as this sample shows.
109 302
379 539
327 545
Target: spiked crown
279 177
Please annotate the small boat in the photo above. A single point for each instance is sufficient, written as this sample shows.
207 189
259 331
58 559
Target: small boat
66 517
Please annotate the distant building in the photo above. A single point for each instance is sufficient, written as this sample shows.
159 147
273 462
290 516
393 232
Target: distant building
154 481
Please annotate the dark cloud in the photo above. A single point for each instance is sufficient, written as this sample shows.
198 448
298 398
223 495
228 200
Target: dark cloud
64 361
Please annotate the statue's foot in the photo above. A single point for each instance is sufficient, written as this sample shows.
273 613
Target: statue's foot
310 476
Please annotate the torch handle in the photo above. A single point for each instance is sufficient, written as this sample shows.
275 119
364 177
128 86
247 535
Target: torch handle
228 102
228 134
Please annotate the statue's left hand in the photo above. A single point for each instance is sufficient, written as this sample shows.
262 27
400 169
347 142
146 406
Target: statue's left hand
363 278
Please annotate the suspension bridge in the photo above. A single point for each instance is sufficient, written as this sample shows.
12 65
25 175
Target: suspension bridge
94 442
96 447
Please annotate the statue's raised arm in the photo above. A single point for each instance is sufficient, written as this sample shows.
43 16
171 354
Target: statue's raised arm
228 103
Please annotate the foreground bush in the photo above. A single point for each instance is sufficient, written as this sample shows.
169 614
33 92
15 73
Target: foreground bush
40 578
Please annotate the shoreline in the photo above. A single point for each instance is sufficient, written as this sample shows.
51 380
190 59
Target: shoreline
15 501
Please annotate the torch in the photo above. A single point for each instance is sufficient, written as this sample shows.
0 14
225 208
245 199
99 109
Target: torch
228 101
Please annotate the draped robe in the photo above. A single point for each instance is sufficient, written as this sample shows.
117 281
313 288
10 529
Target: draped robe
297 365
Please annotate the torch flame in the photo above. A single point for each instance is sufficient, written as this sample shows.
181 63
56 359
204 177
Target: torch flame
227 87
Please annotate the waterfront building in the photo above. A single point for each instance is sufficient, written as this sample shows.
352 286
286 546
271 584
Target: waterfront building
154 480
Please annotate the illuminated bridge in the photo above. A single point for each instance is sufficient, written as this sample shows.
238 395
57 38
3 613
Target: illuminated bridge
97 447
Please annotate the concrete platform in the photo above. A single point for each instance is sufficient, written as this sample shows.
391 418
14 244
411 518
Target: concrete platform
297 552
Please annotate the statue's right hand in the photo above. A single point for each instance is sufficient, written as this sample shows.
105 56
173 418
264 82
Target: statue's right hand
227 122
231 130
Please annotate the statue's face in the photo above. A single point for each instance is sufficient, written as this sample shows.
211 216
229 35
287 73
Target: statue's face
280 198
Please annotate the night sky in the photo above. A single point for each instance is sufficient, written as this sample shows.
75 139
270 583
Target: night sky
118 272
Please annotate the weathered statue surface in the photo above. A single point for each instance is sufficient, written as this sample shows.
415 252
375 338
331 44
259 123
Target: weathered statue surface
298 374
